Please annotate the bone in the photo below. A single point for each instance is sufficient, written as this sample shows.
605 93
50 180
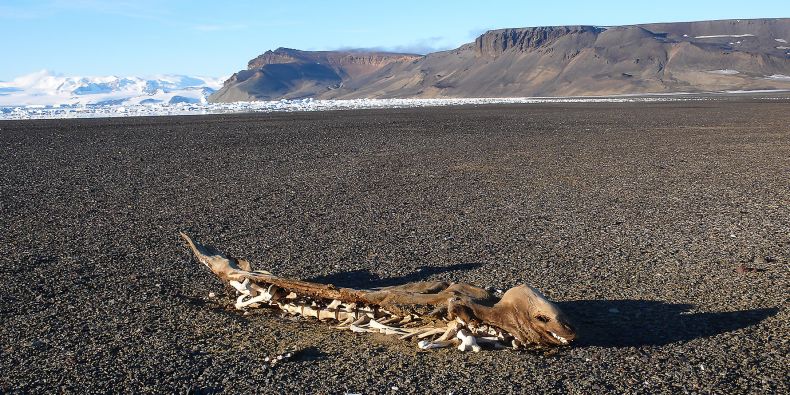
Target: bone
427 344
452 330
272 361
468 342
387 329
391 320
289 308
415 332
516 344
390 331
360 325
272 292
325 315
346 323
431 332
308 312
360 329
258 293
487 330
241 287
254 301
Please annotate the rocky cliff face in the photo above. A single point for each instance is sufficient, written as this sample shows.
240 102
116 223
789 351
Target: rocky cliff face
496 42
290 73
334 58
538 61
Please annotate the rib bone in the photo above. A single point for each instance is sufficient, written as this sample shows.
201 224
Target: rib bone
427 345
388 329
431 332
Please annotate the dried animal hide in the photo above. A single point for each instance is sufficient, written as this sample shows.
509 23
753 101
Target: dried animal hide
437 314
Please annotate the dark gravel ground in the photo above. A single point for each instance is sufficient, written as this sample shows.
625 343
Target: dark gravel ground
632 216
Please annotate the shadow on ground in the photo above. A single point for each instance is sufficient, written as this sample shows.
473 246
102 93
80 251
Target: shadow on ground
364 279
310 354
600 323
634 323
205 390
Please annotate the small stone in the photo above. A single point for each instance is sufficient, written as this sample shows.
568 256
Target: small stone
212 295
39 344
743 269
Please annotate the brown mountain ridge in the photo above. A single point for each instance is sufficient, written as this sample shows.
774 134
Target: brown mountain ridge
747 54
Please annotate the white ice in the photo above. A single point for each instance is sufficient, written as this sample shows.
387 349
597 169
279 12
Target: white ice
757 91
164 108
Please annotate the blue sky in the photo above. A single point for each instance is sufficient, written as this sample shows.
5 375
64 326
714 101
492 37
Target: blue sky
213 38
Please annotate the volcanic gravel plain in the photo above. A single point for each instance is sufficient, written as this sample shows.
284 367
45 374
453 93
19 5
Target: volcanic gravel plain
631 216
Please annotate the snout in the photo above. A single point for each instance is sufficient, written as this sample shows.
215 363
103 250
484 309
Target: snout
561 333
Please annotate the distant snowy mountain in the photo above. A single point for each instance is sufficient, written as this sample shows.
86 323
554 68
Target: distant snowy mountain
44 88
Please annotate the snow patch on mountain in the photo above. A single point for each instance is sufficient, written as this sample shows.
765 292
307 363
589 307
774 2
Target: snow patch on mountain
724 72
727 36
51 89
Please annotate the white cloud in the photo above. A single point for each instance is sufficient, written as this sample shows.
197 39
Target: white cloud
421 46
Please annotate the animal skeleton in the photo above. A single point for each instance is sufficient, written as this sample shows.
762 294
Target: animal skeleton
437 314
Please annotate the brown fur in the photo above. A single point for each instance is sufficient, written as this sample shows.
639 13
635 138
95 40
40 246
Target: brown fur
522 311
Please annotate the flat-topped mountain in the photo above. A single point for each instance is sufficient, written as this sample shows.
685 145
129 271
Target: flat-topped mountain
537 61
290 73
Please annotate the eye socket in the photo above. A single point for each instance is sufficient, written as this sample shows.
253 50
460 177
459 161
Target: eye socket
542 318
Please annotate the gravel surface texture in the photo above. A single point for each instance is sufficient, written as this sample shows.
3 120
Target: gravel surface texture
633 217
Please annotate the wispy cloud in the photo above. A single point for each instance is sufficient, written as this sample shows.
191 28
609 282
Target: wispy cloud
475 33
421 46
